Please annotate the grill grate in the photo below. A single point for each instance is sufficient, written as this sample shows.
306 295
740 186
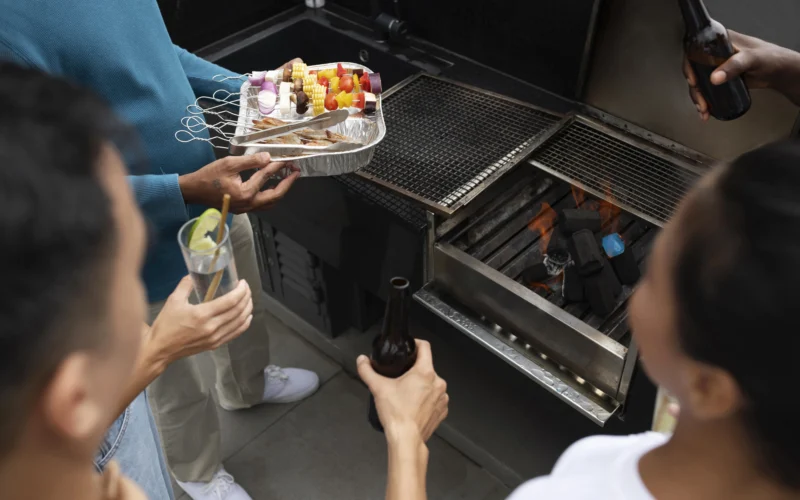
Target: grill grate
413 215
445 139
635 178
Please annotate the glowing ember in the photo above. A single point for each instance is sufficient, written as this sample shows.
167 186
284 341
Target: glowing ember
609 212
593 205
540 286
543 224
552 285
579 195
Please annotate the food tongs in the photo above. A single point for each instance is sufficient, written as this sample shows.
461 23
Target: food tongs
240 143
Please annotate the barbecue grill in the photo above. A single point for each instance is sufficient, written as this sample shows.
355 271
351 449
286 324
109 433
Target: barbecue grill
485 166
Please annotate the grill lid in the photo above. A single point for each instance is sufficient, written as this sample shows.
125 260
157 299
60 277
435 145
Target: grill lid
448 142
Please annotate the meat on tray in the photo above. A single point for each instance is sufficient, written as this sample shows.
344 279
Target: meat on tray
302 137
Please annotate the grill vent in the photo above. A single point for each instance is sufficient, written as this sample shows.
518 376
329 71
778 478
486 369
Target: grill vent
637 180
444 140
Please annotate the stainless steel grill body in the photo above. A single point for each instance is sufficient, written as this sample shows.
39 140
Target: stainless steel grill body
584 359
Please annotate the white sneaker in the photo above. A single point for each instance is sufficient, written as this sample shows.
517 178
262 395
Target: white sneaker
221 487
287 385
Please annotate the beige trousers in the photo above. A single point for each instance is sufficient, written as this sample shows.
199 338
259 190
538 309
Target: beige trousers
184 410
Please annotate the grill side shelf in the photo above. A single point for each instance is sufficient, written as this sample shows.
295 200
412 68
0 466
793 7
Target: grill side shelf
449 141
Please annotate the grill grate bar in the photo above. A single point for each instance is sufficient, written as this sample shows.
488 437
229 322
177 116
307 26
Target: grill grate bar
600 178
447 139
631 176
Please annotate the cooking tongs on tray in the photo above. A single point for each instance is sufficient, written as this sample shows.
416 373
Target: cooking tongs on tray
240 143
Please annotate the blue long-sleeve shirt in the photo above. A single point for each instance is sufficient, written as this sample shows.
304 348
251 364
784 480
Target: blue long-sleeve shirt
122 51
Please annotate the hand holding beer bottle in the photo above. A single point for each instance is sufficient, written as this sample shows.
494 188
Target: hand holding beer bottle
413 405
763 65
707 45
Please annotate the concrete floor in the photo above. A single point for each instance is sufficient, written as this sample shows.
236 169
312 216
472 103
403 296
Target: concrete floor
323 447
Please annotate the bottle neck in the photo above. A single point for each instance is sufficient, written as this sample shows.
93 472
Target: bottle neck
395 321
695 15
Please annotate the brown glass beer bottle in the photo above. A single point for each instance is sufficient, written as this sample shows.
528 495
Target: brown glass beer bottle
707 46
394 351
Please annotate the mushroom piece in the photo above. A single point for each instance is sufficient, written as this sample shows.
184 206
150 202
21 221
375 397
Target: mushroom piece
298 84
287 74
302 102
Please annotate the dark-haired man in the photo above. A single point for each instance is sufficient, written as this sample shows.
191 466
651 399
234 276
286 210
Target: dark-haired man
72 304
122 51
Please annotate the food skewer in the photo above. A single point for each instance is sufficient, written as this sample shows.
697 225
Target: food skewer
318 90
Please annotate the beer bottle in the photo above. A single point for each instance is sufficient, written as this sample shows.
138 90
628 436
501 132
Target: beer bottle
394 351
707 46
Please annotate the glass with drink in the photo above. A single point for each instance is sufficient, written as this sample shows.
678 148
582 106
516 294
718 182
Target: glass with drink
211 264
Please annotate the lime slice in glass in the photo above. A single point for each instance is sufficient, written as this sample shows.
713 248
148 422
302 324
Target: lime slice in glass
206 223
203 244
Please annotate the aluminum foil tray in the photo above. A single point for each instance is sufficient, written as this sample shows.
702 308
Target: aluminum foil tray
368 129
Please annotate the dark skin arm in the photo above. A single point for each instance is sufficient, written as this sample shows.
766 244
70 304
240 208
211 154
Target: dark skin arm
762 64
207 185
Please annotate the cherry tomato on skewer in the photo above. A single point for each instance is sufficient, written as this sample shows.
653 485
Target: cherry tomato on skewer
346 83
331 104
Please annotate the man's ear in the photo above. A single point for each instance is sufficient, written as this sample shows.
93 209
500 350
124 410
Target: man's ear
713 393
67 403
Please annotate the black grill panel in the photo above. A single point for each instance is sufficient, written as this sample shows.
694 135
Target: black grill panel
444 139
410 213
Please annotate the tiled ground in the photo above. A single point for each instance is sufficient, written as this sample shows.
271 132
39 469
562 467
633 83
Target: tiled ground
323 448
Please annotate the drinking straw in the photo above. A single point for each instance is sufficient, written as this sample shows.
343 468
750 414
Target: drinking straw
212 289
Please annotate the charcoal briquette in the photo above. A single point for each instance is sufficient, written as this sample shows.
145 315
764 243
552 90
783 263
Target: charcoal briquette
600 297
626 268
586 253
598 237
536 273
572 220
610 279
573 285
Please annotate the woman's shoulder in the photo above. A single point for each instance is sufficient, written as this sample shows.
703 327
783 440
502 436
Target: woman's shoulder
589 469
595 449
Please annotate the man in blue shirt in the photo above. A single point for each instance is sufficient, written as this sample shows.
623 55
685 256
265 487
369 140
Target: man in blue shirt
122 51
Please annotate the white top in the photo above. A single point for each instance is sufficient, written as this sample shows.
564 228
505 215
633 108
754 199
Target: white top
596 468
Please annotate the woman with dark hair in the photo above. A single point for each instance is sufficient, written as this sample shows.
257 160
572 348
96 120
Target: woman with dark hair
715 319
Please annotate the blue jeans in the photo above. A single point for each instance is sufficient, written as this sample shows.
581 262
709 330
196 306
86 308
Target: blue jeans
133 442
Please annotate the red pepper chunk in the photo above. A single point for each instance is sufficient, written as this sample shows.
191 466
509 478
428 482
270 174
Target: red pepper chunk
364 81
359 100
340 71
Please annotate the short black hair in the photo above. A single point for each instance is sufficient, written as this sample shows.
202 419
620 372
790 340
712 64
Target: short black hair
57 232
737 282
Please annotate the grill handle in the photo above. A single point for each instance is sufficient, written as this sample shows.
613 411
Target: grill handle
569 391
